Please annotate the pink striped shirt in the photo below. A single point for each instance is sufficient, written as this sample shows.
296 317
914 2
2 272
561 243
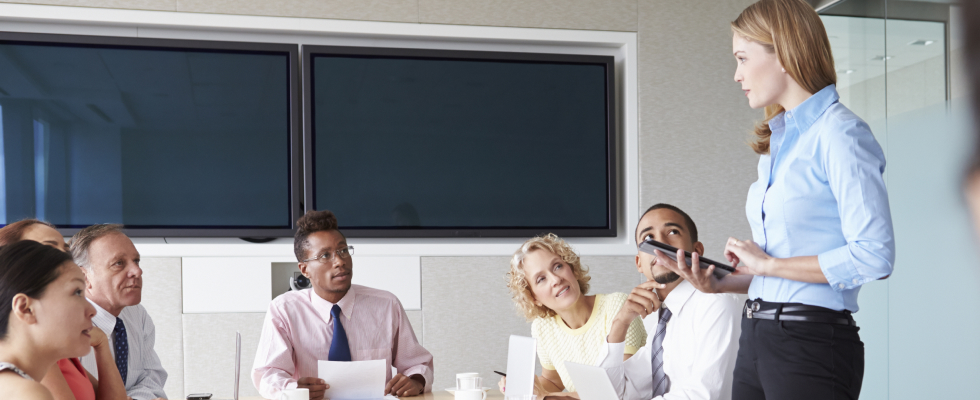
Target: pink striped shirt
298 331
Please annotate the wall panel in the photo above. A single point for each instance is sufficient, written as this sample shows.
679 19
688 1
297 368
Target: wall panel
162 5
367 10
209 353
694 118
604 15
161 298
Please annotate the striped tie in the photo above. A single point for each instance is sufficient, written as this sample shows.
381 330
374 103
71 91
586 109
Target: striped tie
661 382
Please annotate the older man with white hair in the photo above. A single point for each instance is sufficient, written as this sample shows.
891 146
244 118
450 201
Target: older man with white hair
114 286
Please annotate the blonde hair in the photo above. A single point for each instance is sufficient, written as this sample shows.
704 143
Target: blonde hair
520 292
794 31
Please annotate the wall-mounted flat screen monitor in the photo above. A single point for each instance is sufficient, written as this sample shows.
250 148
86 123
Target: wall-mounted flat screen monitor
432 143
168 137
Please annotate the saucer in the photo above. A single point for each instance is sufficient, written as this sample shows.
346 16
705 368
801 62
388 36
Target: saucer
453 390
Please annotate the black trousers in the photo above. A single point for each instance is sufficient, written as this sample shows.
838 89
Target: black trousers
795 360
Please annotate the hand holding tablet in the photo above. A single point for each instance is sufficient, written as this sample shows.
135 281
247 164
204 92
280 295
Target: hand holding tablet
650 247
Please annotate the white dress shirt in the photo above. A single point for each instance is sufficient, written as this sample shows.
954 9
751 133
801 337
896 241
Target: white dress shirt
700 346
146 376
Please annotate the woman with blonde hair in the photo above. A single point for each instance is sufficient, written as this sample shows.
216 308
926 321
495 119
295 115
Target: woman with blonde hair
821 225
549 285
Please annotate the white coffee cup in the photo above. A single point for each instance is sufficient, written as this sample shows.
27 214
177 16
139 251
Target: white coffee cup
468 381
467 375
295 394
478 394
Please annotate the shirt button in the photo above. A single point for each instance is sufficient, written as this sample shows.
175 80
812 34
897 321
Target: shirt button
855 281
840 285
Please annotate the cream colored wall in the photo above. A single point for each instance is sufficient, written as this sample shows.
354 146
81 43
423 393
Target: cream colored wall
694 123
694 118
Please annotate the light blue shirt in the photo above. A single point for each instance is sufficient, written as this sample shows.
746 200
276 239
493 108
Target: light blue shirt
821 192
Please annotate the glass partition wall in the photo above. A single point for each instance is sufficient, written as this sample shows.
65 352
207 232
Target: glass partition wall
898 68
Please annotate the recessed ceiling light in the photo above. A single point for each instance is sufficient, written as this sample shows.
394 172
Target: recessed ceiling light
921 42
881 58
845 71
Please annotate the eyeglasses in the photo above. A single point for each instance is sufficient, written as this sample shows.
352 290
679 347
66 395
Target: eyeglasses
343 253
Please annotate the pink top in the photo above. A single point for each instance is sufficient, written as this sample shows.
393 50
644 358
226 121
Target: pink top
77 380
298 331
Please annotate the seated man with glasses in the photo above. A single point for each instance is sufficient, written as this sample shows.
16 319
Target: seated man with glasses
335 321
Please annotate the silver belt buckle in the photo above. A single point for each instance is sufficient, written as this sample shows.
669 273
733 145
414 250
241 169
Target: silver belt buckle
751 308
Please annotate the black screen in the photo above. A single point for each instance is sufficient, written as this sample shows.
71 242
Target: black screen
425 142
150 137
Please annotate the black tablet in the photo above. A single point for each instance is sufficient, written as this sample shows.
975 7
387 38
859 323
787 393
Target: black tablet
670 251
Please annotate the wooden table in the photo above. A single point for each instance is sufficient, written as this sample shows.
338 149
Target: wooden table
493 394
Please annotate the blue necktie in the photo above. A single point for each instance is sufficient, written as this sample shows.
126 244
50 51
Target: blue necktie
661 383
122 348
339 348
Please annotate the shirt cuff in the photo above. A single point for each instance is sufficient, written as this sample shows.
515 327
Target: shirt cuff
614 355
839 270
421 371
289 385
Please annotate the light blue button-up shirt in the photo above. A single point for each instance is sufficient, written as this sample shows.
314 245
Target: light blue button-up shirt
821 192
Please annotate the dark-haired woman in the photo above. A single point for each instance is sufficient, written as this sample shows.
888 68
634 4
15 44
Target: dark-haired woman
67 379
44 316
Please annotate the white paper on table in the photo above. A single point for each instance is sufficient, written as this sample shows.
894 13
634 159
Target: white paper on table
353 380
520 365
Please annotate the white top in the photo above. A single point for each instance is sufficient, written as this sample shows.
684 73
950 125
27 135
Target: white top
6 366
146 376
700 347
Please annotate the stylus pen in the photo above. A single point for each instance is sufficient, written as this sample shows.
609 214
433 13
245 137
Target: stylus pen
500 373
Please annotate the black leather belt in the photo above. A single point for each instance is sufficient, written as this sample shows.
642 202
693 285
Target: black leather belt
758 309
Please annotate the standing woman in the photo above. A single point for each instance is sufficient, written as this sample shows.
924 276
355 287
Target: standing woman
821 226
44 316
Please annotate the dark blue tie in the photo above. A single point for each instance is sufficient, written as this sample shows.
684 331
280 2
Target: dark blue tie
122 348
339 348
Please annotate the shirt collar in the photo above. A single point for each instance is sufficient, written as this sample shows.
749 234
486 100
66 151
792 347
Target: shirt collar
103 319
678 297
808 111
323 307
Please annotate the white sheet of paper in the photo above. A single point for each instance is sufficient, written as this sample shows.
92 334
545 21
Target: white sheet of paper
520 365
591 383
353 380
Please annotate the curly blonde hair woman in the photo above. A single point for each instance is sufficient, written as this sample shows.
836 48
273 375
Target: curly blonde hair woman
549 285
